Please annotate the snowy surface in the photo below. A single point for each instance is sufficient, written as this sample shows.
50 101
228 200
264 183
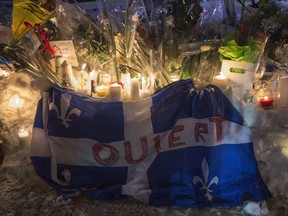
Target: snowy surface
24 193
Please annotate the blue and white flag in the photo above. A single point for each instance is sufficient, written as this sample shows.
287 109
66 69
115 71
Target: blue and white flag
178 147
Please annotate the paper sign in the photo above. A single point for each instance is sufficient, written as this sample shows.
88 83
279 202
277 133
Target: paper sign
65 48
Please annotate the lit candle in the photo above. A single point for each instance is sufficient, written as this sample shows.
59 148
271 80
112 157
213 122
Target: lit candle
125 79
16 102
134 87
266 102
102 90
221 81
115 92
282 101
23 135
91 82
143 84
82 76
4 73
174 78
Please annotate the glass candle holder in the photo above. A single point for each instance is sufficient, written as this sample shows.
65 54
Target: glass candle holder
266 99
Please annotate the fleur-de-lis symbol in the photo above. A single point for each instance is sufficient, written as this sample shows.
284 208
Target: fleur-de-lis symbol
64 105
205 184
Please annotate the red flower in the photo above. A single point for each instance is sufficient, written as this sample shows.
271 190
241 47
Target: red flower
28 25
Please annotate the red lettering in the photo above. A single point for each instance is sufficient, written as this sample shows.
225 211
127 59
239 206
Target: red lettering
157 143
198 129
113 157
172 140
128 151
218 123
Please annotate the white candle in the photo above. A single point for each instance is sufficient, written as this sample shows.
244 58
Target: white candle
282 100
82 76
115 92
58 61
221 81
143 83
102 90
67 73
4 73
174 78
92 81
125 79
135 87
23 135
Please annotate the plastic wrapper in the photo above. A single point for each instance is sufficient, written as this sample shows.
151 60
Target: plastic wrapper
26 13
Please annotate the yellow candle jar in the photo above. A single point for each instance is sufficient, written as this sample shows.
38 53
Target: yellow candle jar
101 90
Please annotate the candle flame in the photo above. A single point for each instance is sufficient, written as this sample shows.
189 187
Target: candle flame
4 73
83 66
23 132
15 101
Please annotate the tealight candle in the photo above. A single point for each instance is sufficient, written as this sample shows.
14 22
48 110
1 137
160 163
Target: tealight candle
115 92
266 102
102 90
135 88
221 81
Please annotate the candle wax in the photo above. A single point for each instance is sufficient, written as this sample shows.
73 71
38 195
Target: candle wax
134 89
221 81
115 92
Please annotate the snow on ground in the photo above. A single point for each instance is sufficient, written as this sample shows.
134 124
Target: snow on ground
24 193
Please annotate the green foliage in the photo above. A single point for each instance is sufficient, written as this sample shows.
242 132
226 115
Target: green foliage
93 43
244 53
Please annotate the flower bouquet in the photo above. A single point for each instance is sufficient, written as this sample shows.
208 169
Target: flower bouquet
238 55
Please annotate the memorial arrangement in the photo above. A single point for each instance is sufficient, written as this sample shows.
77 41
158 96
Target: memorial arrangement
133 85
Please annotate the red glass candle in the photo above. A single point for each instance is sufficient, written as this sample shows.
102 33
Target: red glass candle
266 102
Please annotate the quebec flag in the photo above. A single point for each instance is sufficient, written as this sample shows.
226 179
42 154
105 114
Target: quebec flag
179 147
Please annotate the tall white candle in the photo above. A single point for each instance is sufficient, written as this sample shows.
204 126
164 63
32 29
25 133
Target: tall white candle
67 73
125 79
93 79
115 92
135 88
82 76
221 81
282 100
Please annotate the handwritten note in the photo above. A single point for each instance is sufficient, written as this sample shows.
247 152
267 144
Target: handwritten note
65 48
